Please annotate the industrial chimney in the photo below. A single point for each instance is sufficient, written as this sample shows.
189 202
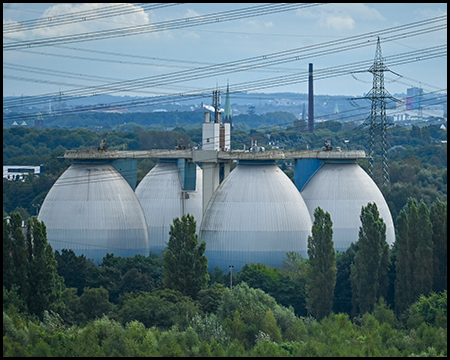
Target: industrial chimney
310 100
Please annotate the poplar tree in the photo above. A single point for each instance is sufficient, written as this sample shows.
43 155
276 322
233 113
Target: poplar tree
438 218
184 262
371 261
415 262
45 283
322 266
29 264
423 254
403 280
15 259
413 242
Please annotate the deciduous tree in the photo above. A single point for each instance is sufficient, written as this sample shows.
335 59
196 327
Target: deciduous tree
185 265
423 254
438 218
77 271
403 286
45 283
322 266
414 253
210 298
343 289
94 303
371 261
15 258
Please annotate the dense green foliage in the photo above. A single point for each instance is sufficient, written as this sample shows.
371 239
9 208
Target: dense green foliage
322 265
43 280
417 259
438 218
60 304
342 300
29 266
185 265
125 309
287 286
207 335
417 158
369 272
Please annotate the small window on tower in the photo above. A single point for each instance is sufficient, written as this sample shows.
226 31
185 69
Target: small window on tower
207 140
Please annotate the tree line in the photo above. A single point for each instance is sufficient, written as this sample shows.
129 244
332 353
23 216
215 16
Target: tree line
370 300
417 159
128 306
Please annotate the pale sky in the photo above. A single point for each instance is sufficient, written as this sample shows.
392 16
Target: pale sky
155 50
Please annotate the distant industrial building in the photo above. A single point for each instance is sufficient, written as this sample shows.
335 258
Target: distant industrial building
19 172
401 114
414 98
414 107
253 213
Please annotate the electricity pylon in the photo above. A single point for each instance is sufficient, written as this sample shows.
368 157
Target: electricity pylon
378 122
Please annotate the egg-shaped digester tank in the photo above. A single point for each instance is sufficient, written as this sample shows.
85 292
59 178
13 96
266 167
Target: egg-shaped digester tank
342 188
163 199
256 215
92 210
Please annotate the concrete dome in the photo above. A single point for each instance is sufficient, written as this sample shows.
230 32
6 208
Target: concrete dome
162 200
92 210
342 189
256 215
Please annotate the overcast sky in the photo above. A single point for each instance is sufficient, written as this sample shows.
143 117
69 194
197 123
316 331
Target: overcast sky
266 53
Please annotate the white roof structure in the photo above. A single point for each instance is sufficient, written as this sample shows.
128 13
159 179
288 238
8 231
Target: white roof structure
342 189
255 215
92 210
162 199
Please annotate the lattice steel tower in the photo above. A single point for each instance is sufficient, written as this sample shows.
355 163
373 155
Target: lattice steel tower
378 123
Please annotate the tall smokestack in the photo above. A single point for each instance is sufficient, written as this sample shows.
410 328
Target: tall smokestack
310 100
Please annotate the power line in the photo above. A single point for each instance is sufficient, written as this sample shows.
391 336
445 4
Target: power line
224 16
348 114
95 178
164 61
72 180
109 60
252 63
81 16
190 75
52 72
368 107
419 55
320 74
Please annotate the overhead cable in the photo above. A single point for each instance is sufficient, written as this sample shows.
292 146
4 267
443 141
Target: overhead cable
255 62
340 70
223 16
78 179
96 13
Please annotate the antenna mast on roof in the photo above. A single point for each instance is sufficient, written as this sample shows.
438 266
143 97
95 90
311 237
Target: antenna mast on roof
216 104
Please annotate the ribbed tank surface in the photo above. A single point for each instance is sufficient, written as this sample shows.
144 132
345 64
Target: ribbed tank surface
92 210
256 215
342 189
